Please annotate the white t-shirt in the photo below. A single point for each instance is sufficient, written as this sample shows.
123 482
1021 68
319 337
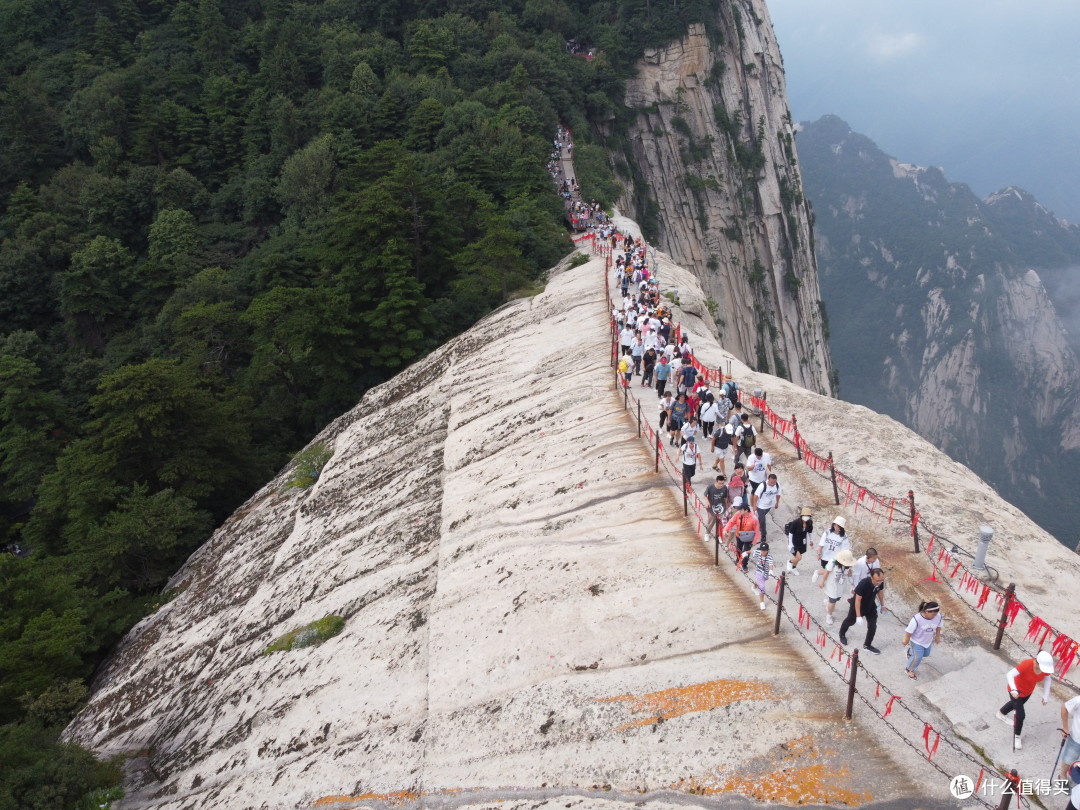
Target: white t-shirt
710 412
862 568
1072 706
626 335
767 495
689 453
922 629
831 543
836 579
689 430
758 468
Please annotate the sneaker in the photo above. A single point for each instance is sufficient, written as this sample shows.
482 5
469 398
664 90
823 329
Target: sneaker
873 650
795 571
814 578
1004 718
761 605
1017 745
843 639
790 568
829 621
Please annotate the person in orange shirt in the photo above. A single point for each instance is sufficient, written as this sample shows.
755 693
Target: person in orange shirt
744 526
1023 678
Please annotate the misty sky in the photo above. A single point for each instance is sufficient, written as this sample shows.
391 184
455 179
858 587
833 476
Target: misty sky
988 89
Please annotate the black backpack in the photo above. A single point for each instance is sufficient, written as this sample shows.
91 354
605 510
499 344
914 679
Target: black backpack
749 437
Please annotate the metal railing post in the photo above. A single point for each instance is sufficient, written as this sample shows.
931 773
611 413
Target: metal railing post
1010 592
798 445
851 684
779 605
914 525
832 474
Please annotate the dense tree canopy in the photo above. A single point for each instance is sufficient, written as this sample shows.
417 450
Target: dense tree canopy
221 222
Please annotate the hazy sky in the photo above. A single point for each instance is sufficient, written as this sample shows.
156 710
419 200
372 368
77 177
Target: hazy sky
988 89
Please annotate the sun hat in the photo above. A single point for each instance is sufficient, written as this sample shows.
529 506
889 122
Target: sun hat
1046 662
806 512
840 521
845 557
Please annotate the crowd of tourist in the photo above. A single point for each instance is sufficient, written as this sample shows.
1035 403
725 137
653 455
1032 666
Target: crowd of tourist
692 415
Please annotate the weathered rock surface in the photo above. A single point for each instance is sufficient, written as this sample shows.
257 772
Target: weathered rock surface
526 609
713 142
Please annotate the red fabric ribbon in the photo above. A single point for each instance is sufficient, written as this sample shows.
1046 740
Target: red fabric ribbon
930 750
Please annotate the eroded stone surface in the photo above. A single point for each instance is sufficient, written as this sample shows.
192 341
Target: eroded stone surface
526 609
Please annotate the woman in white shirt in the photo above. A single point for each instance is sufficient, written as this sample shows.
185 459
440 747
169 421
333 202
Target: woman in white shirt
921 633
834 580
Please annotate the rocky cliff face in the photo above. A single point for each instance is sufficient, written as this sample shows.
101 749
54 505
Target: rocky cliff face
717 181
940 318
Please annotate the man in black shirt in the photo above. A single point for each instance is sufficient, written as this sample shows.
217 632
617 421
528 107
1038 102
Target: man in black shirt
864 607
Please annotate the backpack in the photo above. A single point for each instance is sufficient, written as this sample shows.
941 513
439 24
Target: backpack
749 437
731 390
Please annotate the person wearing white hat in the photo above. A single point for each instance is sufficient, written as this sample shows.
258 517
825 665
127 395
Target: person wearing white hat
832 540
1022 679
834 580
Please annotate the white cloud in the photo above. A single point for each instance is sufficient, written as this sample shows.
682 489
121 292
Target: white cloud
890 46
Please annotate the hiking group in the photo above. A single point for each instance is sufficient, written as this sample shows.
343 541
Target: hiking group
693 415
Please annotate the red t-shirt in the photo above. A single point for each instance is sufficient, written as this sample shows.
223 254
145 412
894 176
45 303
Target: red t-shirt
1028 678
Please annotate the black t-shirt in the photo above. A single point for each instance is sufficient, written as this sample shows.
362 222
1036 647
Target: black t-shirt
868 591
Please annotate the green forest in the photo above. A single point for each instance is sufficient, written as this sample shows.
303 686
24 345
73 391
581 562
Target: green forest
221 222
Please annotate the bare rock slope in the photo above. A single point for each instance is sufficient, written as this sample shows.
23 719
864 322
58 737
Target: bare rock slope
527 614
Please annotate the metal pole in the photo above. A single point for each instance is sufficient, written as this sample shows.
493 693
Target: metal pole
832 472
986 534
798 445
639 419
764 403
779 604
1009 593
625 395
914 525
657 469
851 684
1008 790
685 496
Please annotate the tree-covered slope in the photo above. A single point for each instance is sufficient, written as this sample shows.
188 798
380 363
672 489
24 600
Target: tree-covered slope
220 223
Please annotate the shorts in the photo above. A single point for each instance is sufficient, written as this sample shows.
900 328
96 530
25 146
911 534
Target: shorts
798 546
1071 752
833 601
759 582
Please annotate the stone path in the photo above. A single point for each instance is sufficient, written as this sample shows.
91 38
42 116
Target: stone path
961 684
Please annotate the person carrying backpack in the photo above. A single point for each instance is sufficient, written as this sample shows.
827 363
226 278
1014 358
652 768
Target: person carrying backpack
745 438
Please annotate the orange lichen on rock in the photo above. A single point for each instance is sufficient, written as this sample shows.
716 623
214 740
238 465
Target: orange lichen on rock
697 697
397 798
791 783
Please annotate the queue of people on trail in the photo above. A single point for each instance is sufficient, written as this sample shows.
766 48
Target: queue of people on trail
692 415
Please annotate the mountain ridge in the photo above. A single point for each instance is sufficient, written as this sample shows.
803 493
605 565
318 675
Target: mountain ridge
940 312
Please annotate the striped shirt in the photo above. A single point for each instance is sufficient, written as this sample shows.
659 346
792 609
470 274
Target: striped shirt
763 565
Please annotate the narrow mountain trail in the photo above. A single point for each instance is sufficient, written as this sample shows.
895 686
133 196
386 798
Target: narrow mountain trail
938 725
